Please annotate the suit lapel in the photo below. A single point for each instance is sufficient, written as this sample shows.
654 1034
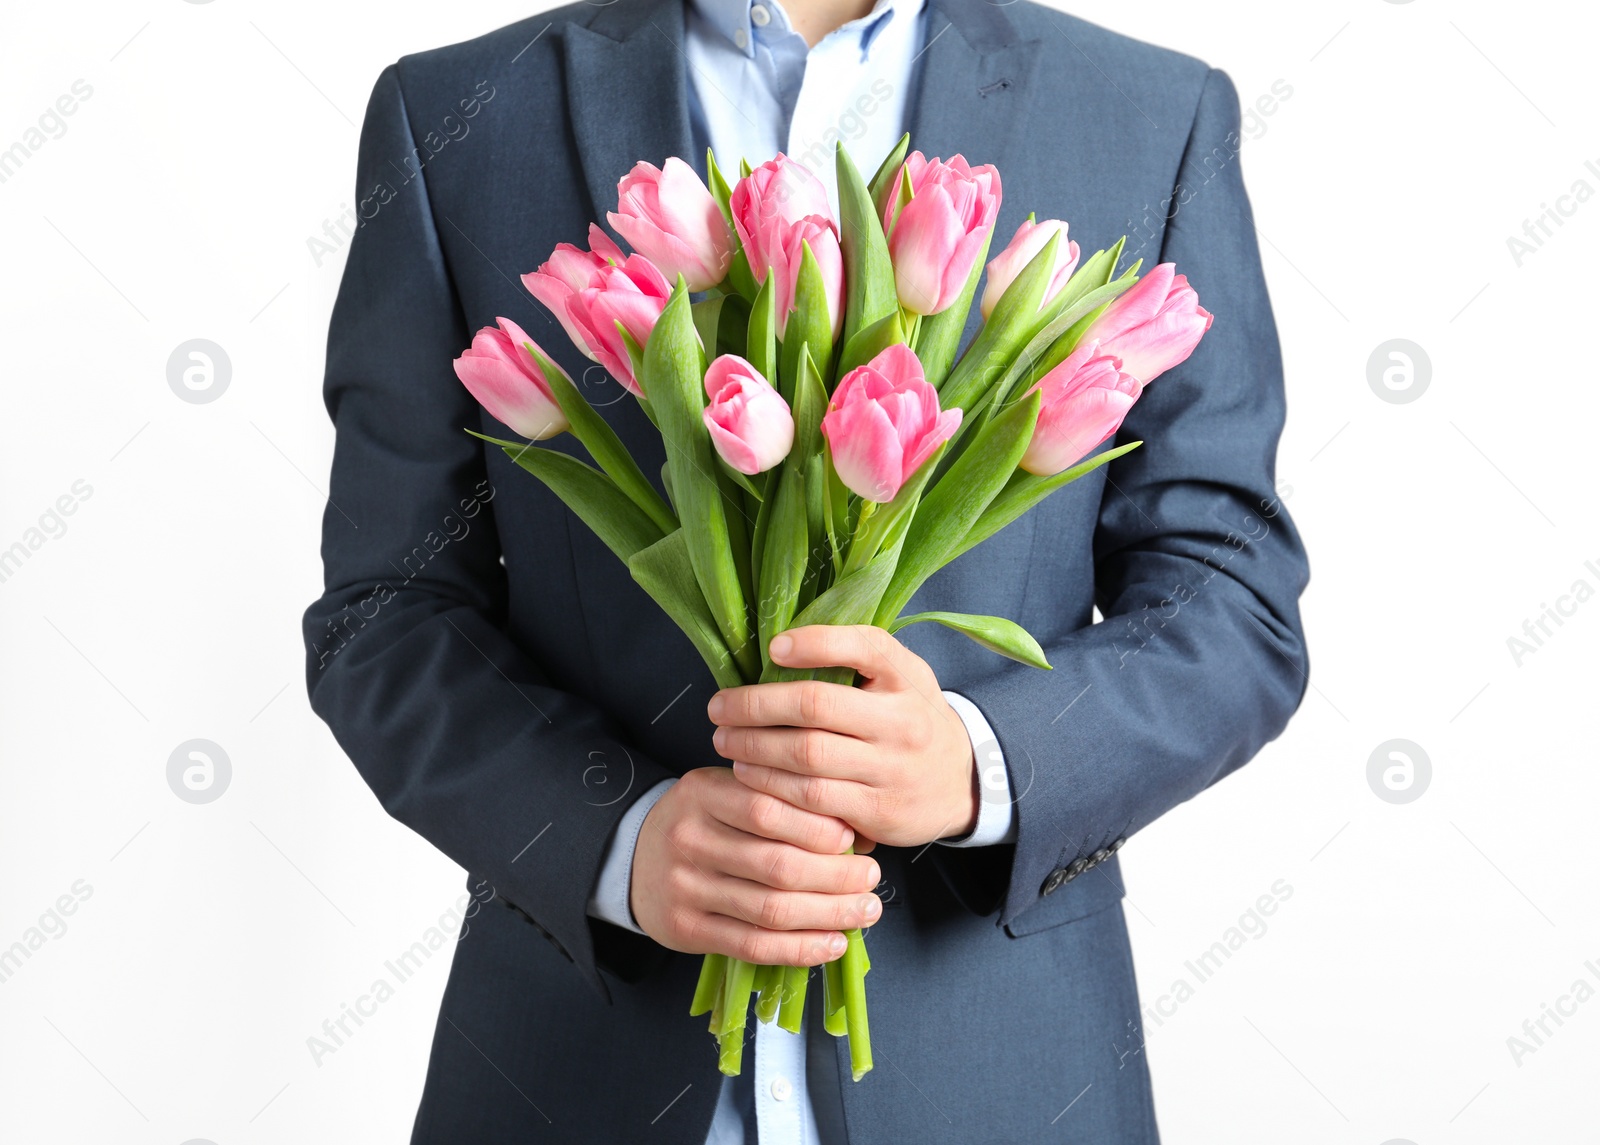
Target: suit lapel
627 93
973 83
974 78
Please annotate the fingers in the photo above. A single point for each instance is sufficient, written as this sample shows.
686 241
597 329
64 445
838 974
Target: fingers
853 802
754 813
700 933
798 704
787 868
869 650
805 751
771 909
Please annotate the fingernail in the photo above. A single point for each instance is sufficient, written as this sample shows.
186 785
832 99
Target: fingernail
714 708
781 646
877 874
872 908
719 738
836 944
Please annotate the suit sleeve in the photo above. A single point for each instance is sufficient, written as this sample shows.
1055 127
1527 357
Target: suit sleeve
454 727
1200 658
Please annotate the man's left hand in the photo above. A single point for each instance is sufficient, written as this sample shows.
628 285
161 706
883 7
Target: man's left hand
890 757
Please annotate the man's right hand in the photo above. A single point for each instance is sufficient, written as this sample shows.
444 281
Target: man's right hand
720 868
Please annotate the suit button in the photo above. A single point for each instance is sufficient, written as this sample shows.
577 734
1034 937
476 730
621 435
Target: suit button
1100 856
1117 845
1076 868
1052 881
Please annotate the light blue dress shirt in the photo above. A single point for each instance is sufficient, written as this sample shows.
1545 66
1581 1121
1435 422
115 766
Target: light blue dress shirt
756 89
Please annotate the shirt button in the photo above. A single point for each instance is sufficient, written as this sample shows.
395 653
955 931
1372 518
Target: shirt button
781 1089
759 16
741 38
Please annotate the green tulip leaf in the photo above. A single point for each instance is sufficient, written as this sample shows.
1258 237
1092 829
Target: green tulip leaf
720 190
783 556
870 341
883 180
1024 491
740 276
1010 325
995 633
959 498
939 335
590 494
603 444
740 479
869 285
665 571
761 345
809 325
674 379
1051 345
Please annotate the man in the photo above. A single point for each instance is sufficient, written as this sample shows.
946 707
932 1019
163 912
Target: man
509 693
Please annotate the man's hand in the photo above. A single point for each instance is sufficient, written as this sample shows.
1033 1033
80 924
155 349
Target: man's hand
891 758
720 868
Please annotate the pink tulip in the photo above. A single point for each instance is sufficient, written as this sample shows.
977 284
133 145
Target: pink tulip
935 238
1152 327
782 189
775 208
883 423
509 382
1083 401
749 421
1025 245
592 291
669 216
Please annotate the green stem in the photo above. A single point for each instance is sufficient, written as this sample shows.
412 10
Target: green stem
854 970
769 988
709 988
833 1012
864 545
795 979
735 1010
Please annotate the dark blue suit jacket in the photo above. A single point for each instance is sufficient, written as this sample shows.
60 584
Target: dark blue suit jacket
507 690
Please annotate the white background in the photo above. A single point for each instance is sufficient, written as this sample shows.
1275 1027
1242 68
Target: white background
217 938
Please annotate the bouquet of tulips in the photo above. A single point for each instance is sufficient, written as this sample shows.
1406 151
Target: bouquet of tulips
827 446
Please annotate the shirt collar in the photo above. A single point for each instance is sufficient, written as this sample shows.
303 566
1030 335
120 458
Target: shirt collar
731 18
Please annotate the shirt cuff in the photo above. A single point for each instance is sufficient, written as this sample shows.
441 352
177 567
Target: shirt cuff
997 822
609 903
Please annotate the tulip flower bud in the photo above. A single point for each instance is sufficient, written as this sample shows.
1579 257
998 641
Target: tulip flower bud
668 216
1029 240
883 422
776 208
749 422
1152 327
1082 402
591 291
509 381
935 238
